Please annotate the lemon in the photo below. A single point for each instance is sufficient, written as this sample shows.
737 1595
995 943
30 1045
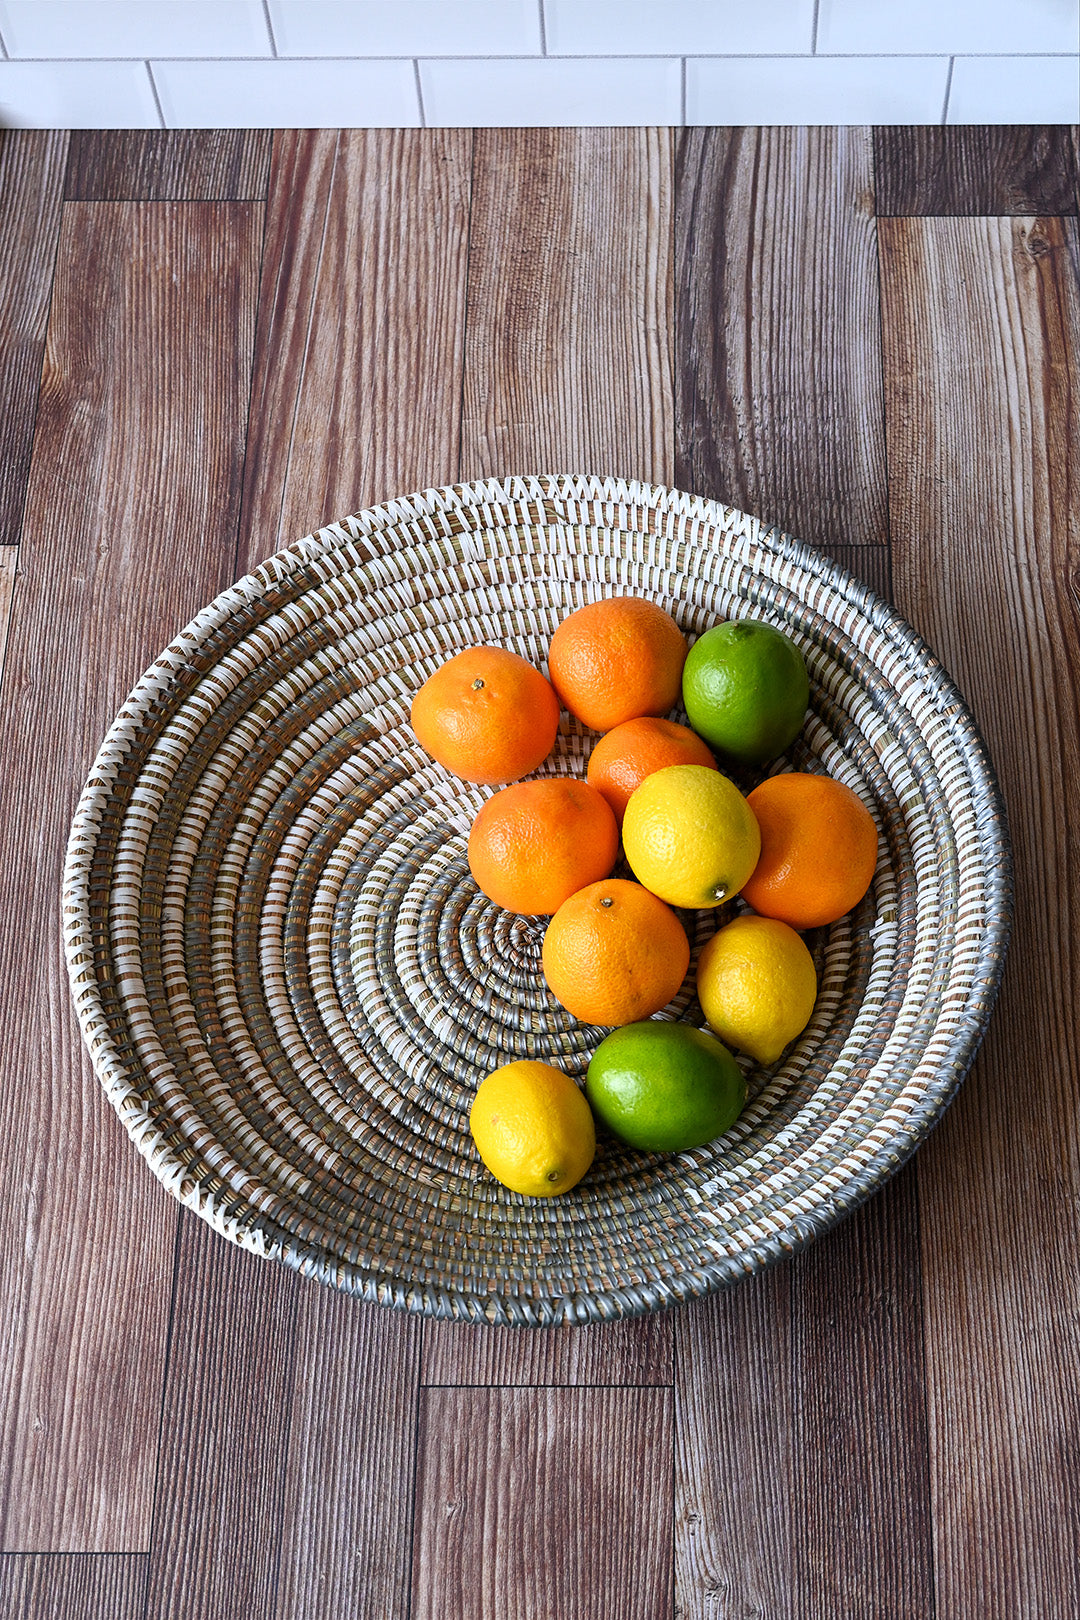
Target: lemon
533 1128
690 836
745 689
665 1087
757 986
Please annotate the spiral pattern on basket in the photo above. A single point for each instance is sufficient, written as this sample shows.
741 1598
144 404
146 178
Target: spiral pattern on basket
291 986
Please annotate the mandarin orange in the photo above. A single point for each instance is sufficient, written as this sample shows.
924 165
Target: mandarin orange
617 659
535 844
818 849
623 758
613 953
487 715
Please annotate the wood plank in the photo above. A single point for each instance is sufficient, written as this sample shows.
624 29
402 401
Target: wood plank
778 358
224 1432
536 1503
567 369
349 1473
970 169
986 532
31 181
568 354
779 410
623 1353
357 387
164 165
130 528
72 1586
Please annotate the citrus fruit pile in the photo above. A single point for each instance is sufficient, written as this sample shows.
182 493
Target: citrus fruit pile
800 850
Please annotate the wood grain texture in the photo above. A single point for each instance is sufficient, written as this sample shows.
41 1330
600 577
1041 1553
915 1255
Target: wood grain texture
9 561
168 165
349 1473
777 334
130 527
970 169
72 1586
568 364
357 389
31 181
543 1503
218 1513
623 1353
986 525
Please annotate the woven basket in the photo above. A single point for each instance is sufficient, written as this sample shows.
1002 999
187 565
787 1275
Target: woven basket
291 987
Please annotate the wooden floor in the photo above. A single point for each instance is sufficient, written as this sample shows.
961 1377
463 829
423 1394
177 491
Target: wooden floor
214 342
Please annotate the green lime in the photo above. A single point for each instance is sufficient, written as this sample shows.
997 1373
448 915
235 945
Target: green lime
664 1087
745 689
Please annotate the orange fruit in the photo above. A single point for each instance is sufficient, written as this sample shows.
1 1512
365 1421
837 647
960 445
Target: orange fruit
613 953
487 715
818 850
622 760
535 844
616 659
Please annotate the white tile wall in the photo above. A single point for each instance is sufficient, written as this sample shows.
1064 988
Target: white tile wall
635 90
1027 90
809 89
406 27
143 63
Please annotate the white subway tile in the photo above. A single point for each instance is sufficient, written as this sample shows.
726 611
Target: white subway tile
955 27
406 27
816 90
1015 90
76 95
138 28
541 91
287 95
678 27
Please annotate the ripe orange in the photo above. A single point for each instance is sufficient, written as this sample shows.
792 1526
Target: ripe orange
614 953
818 849
616 659
487 715
622 760
535 844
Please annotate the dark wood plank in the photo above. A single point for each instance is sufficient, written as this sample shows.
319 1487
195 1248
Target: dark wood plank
31 178
130 528
969 169
634 1352
357 385
349 1471
568 362
166 165
567 369
537 1503
986 525
779 404
736 1526
778 359
73 1586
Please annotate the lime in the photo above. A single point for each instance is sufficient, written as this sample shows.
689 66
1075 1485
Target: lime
690 836
757 985
665 1087
533 1128
745 689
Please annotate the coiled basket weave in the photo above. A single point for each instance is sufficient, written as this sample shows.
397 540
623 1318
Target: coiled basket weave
291 987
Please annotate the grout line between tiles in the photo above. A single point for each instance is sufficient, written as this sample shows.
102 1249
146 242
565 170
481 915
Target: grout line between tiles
269 26
154 90
419 93
543 29
682 94
814 28
948 92
623 56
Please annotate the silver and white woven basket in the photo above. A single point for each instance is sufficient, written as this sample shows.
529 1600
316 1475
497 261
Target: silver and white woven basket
291 987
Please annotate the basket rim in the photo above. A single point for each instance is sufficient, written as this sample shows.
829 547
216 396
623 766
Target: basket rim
604 1304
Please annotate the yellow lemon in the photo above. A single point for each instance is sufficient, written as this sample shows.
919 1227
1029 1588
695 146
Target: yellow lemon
757 985
690 836
533 1128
